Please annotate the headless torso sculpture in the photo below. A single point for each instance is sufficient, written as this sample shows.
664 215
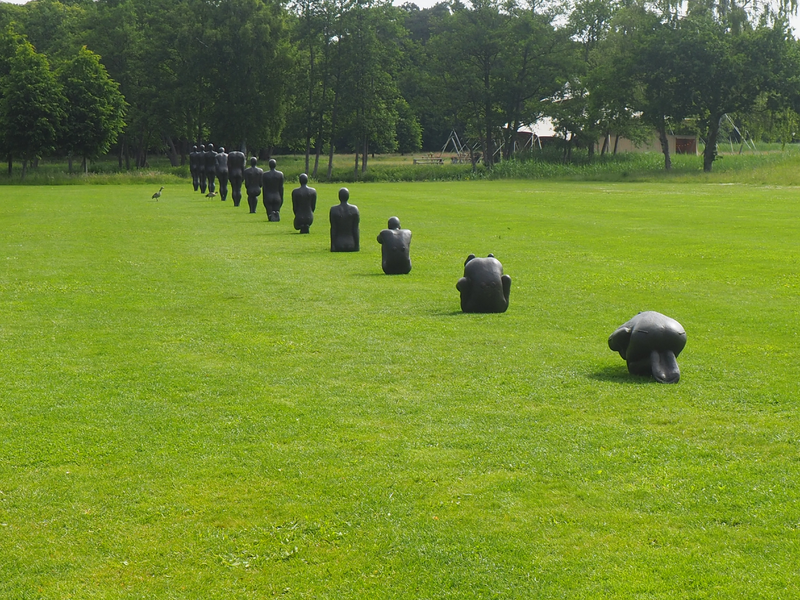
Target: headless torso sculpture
236 162
304 203
272 190
484 288
650 343
395 248
344 219
252 183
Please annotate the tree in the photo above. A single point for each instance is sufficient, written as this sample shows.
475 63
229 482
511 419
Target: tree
367 56
534 69
642 62
247 103
118 36
469 49
417 82
94 107
56 28
409 132
30 107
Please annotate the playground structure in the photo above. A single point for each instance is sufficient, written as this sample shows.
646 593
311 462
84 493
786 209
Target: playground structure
462 153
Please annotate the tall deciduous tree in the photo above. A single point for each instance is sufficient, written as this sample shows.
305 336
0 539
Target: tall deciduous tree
57 28
248 52
640 64
470 49
729 65
369 46
30 107
94 107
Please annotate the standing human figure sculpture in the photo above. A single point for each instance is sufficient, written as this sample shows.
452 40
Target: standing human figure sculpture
304 203
221 168
344 219
210 160
395 248
201 168
272 190
193 164
236 161
252 183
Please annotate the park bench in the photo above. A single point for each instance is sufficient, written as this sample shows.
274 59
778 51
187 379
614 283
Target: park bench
429 160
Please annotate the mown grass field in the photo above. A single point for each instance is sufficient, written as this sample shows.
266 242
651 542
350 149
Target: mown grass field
196 403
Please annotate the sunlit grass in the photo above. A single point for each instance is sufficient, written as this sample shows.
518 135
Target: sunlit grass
197 403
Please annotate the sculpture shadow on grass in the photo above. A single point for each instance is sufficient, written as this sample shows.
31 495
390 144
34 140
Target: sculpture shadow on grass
619 374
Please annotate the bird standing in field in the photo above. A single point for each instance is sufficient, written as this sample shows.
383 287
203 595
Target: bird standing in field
157 195
211 194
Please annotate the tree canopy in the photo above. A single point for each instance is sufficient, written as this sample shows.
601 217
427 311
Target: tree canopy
83 77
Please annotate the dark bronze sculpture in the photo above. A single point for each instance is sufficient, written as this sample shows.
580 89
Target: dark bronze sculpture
344 219
236 161
252 183
221 168
201 168
395 247
304 203
193 168
210 161
272 189
650 343
484 288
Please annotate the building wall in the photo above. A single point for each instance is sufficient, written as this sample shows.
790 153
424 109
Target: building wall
687 142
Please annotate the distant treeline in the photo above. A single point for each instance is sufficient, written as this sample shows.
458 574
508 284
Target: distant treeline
81 77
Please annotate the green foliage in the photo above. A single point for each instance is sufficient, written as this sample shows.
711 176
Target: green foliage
246 104
364 76
409 131
197 403
30 105
56 28
94 106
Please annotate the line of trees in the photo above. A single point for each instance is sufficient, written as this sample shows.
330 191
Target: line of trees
82 77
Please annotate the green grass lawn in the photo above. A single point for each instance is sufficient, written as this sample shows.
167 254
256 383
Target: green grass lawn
196 403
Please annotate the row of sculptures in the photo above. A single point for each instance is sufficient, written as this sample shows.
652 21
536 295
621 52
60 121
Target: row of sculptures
650 342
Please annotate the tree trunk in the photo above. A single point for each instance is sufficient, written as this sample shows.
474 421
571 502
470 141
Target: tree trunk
321 124
568 149
309 113
173 152
334 115
10 164
662 136
488 158
141 152
355 167
364 155
710 151
24 168
616 144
